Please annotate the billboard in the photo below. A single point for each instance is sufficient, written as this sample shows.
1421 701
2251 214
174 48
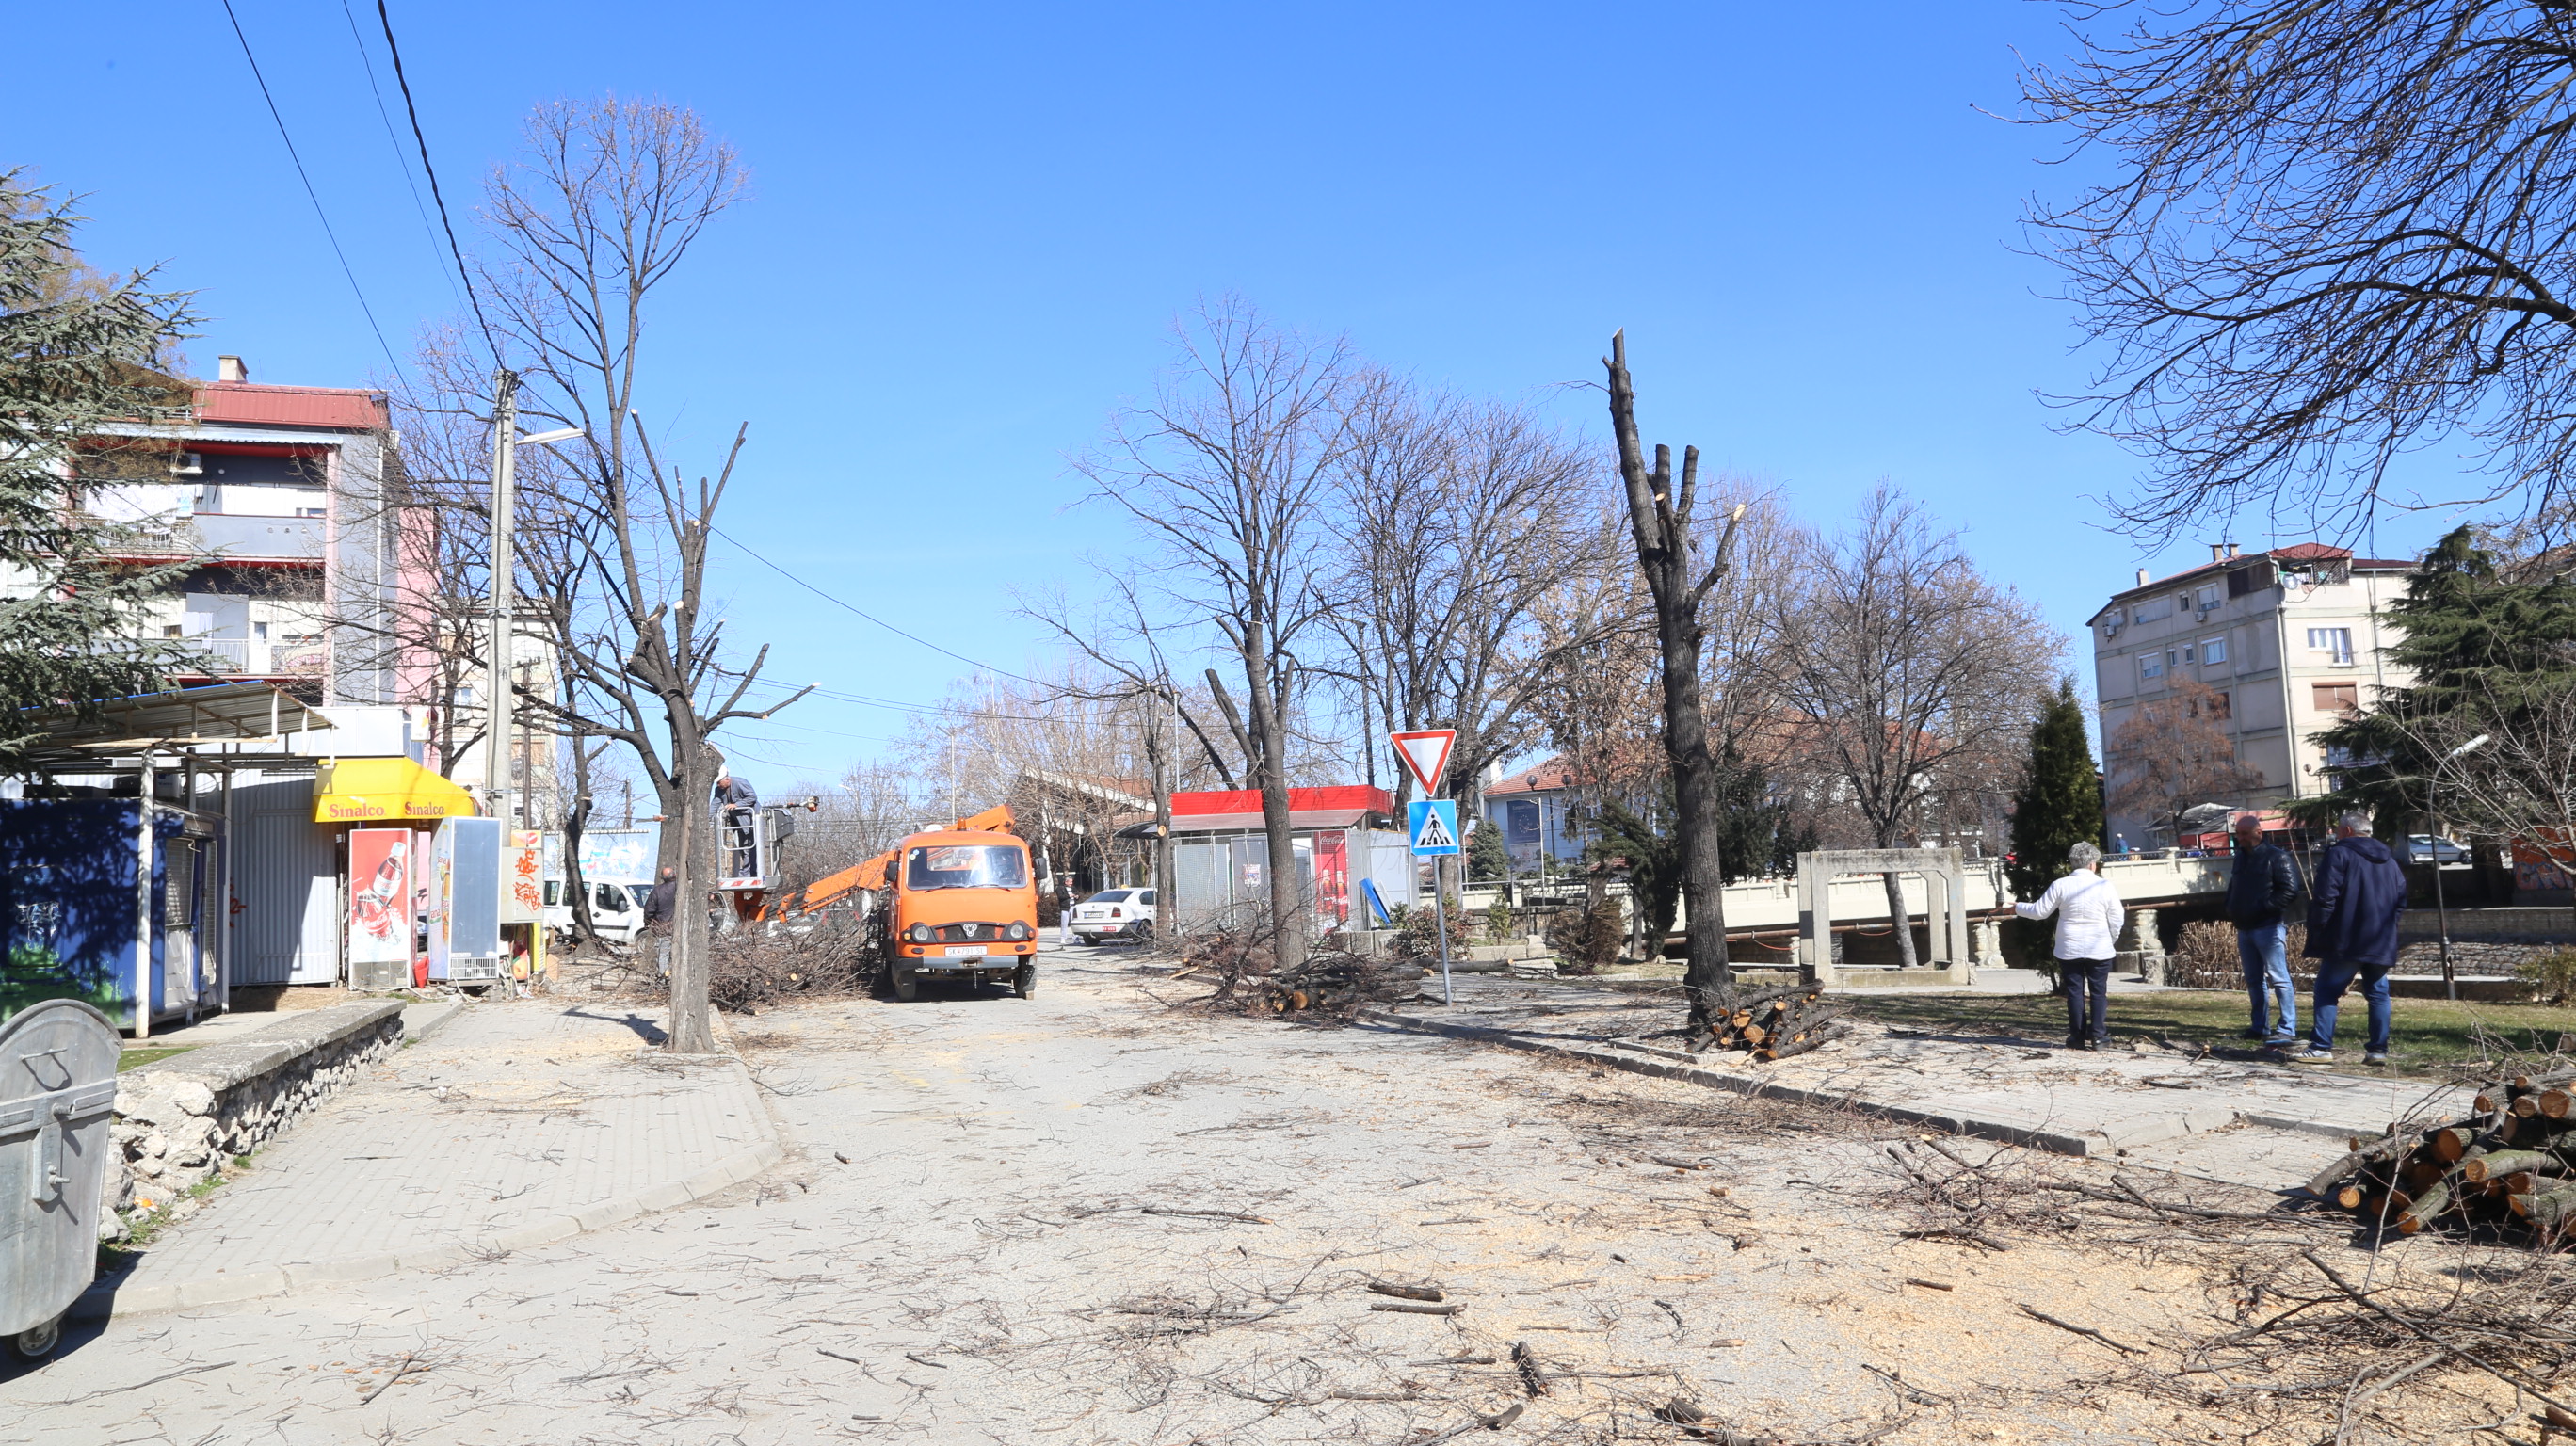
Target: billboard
380 899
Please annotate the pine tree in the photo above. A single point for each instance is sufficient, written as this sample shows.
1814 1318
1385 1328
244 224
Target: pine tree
2060 804
2488 651
1486 858
76 352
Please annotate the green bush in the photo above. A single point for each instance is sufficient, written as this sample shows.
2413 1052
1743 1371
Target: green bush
1417 932
1498 920
2552 976
1588 938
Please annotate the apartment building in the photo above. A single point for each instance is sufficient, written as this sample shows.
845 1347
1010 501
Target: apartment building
281 489
2287 640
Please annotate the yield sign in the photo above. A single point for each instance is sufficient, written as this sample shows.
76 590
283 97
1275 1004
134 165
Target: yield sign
1426 755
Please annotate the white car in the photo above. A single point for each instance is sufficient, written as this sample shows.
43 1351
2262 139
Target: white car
616 910
1115 914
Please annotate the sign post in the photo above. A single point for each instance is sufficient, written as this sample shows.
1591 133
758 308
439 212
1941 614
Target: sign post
1433 820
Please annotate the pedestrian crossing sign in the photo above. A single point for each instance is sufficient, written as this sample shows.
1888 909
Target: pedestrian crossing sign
1434 826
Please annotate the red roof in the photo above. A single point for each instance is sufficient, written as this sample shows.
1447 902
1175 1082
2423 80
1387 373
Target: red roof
1546 777
348 409
2295 552
1348 798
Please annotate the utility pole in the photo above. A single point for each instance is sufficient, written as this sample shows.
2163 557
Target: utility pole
496 732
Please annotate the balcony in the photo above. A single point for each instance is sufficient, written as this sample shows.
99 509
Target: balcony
296 539
258 658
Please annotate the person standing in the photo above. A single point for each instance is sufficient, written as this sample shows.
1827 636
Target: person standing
2259 891
2089 918
2352 934
658 907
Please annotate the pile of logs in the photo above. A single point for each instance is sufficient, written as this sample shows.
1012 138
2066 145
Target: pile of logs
2507 1164
1331 979
1777 1023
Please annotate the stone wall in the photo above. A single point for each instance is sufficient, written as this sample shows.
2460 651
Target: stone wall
178 1120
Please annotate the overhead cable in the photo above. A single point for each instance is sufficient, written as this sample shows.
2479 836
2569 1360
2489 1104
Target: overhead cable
472 297
871 617
309 193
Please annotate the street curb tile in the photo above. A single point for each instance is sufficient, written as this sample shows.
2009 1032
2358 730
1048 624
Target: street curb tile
104 1302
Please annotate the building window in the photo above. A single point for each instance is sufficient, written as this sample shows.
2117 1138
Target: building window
2213 651
2337 641
2336 697
2150 666
2209 598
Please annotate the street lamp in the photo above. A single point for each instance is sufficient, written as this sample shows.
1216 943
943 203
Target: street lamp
506 442
2441 907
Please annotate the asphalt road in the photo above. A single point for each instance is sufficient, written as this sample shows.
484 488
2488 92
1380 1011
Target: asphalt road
1101 1216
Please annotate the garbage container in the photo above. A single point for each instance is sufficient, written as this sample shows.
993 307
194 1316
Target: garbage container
57 1098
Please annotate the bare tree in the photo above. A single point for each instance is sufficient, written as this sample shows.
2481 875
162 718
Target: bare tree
1227 474
1462 517
2170 754
1660 520
1909 668
2333 230
605 205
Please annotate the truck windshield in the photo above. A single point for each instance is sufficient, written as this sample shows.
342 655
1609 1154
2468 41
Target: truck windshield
965 866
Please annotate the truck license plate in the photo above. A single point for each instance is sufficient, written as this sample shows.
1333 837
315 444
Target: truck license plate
968 951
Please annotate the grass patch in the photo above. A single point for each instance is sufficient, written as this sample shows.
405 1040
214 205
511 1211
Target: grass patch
140 1233
148 1054
2425 1036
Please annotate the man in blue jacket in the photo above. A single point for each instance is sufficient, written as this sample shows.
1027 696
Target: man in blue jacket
2352 932
2259 891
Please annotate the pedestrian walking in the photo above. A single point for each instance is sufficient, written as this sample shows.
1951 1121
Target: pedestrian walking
659 903
2352 934
2259 891
2089 917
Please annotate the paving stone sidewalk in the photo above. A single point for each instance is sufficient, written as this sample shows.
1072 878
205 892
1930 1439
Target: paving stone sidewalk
521 1123
2247 1120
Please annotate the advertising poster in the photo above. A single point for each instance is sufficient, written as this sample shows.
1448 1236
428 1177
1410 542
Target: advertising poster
380 896
522 876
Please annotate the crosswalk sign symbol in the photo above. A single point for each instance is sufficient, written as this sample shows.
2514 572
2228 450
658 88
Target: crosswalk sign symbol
1434 826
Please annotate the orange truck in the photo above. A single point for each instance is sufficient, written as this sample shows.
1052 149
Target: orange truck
957 903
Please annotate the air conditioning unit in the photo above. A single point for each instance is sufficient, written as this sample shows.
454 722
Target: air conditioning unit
187 464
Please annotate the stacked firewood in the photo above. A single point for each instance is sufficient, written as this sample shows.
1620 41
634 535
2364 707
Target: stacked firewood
1331 979
2509 1163
1776 1023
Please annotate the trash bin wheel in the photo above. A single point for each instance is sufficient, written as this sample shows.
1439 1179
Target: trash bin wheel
38 1343
1025 982
907 985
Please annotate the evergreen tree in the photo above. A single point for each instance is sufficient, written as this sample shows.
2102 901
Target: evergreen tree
1486 858
76 352
2489 652
2060 804
1754 831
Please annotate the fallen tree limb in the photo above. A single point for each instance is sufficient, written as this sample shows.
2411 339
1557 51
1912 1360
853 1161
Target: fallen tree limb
2068 1325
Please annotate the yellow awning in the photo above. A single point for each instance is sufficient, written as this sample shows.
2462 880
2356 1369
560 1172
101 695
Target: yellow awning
385 790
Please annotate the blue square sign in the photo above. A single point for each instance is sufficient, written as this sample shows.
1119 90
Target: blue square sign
1432 823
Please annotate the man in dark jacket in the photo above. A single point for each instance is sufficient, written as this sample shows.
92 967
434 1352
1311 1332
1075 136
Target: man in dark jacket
2259 891
2352 932
658 907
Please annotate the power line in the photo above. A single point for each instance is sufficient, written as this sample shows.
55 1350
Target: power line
309 193
871 617
473 299
377 91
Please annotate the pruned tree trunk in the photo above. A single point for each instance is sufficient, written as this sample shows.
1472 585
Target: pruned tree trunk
1660 520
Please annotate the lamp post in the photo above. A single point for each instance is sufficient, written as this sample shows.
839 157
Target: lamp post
506 442
2441 907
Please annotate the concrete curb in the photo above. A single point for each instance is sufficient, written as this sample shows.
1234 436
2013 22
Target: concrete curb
105 1301
428 1017
2029 1132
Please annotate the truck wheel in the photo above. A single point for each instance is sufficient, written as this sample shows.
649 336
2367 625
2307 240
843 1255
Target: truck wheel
1025 982
37 1343
907 985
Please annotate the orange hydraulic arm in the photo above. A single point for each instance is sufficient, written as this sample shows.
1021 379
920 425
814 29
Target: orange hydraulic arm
875 873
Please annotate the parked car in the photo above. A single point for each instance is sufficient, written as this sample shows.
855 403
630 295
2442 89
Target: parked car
2423 848
616 910
1115 914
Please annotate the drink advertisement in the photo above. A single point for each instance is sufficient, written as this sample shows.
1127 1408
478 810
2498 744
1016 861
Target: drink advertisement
380 897
522 891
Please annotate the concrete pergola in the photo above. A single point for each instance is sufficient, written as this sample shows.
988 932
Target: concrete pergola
1945 886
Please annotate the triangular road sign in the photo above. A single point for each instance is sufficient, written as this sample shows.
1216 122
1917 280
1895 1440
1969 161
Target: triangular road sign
1426 755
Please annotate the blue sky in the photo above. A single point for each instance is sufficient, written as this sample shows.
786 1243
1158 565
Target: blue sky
971 228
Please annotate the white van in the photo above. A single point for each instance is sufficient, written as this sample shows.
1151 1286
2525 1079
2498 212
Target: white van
616 910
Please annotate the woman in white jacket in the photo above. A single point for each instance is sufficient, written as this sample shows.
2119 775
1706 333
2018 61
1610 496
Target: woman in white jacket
2089 916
